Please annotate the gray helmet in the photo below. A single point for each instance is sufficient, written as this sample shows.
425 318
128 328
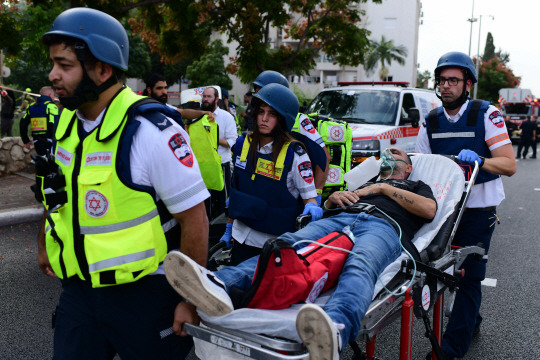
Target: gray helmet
105 36
270 77
281 99
456 59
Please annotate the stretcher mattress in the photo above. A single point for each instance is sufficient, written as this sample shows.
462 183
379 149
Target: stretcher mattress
446 180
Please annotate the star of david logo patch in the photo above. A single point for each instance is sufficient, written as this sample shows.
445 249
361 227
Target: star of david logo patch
95 204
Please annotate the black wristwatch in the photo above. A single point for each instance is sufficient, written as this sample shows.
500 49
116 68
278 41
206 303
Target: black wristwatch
482 161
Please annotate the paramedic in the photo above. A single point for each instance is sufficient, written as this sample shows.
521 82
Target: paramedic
272 180
304 131
401 206
227 136
134 191
41 116
156 88
474 131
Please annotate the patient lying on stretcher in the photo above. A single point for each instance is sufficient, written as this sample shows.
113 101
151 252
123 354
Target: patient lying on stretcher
400 208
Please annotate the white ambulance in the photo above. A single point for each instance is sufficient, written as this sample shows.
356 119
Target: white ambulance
381 114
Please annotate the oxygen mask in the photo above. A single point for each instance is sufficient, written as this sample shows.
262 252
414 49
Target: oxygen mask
388 164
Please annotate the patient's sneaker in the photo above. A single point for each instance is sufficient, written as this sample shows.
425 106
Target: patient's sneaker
318 333
197 284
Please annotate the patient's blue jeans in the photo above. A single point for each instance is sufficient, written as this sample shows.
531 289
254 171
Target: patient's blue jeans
376 242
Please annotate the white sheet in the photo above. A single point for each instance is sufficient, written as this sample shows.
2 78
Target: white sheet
447 182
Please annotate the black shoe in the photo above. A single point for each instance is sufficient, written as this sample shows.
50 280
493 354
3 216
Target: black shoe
476 331
532 157
518 157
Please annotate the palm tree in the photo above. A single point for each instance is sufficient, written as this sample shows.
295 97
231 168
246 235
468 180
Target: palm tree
423 79
384 51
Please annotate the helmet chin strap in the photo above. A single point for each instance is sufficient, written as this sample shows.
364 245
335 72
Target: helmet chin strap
455 104
87 90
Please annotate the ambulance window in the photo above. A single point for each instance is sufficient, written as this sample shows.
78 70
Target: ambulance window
408 102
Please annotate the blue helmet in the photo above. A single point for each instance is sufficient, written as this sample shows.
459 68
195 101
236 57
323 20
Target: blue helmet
105 36
270 77
281 99
224 93
456 59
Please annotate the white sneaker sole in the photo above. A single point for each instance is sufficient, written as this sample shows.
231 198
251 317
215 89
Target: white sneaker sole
315 328
186 278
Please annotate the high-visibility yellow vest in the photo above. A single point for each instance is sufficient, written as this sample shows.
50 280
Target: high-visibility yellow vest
108 233
204 138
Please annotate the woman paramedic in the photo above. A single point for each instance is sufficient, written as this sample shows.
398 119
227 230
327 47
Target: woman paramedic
272 181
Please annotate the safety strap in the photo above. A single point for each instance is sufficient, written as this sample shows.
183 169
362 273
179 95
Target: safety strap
245 148
280 163
473 112
433 121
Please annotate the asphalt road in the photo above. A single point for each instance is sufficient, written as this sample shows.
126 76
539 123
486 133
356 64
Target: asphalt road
511 309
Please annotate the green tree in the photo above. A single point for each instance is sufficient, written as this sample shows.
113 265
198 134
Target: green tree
384 52
494 75
140 63
503 56
422 80
309 28
210 68
489 49
180 30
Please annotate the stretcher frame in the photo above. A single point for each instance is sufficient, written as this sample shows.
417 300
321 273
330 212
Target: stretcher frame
435 274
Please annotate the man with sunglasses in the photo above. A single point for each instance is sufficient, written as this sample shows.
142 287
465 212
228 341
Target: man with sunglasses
473 130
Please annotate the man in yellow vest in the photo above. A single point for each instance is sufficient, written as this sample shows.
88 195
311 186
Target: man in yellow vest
132 190
41 116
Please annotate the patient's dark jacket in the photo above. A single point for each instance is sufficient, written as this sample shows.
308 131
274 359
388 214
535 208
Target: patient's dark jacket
408 222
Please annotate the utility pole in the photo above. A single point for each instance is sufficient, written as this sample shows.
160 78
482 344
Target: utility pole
478 56
471 20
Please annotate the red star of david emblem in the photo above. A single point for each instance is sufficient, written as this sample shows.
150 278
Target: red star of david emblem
337 133
34 122
94 204
269 167
332 175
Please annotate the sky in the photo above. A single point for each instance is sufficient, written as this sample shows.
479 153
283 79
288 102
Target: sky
515 29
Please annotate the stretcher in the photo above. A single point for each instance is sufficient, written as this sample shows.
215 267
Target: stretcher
417 286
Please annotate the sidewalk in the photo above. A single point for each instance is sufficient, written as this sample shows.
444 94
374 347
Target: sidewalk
17 202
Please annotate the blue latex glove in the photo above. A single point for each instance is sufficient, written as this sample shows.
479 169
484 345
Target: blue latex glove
227 237
312 209
468 156
318 199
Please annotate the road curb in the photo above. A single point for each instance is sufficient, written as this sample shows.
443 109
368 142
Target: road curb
21 215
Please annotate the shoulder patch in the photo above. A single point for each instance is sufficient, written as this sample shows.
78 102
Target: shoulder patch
305 171
181 149
158 119
299 149
307 125
497 119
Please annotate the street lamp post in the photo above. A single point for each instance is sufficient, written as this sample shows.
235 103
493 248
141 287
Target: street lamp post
478 55
471 20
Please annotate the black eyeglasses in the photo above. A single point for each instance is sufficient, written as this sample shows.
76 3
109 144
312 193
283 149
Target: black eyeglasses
453 81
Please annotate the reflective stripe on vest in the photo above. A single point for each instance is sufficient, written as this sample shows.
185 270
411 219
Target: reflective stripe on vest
120 260
454 135
85 230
